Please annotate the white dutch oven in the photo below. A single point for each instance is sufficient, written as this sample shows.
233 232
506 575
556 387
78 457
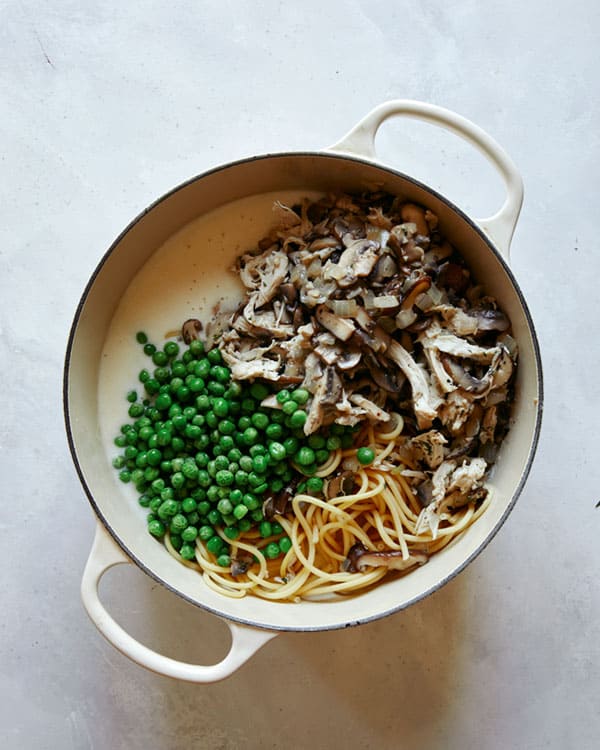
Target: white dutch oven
349 165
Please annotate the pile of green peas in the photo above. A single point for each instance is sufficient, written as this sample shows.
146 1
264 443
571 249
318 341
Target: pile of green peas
203 453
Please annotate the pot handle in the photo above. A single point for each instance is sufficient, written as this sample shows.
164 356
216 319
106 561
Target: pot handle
360 141
245 640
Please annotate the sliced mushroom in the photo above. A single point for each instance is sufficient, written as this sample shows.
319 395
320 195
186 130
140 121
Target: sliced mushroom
190 330
342 328
342 484
463 378
359 558
240 564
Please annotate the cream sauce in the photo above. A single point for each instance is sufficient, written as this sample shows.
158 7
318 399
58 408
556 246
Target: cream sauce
185 278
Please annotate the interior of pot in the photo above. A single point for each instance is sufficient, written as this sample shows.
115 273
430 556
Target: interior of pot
113 280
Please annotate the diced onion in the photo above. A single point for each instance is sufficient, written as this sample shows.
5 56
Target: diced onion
405 318
345 308
385 301
424 301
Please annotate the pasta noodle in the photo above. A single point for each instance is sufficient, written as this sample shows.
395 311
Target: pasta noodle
381 514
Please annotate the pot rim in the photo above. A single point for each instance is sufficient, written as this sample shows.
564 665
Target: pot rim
311 154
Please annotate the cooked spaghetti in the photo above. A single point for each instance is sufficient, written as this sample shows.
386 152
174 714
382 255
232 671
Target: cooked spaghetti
381 514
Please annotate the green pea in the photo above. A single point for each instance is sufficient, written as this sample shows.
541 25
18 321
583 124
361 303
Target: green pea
265 529
215 388
141 337
156 528
271 551
159 358
196 385
224 561
314 484
316 442
276 485
259 391
221 462
300 396
298 418
305 456
251 501
135 410
189 534
214 356
220 407
274 431
196 348
333 442
214 545
162 374
289 407
231 532
250 435
220 374
171 349
240 511
204 507
206 532
277 451
187 551
365 456
188 505
321 456
168 509
260 464
224 478
125 476
259 420
178 523
285 544
149 349
226 427
226 443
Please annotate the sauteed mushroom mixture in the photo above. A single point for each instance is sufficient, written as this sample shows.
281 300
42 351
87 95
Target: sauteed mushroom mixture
341 421
364 303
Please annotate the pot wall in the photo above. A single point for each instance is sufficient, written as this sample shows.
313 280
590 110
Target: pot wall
136 245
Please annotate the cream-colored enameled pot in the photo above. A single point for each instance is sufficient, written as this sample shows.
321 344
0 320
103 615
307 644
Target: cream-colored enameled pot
215 198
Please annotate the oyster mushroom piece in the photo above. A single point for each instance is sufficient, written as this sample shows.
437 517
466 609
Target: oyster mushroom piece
360 558
463 379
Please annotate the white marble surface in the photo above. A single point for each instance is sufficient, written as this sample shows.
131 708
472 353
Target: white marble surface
107 105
